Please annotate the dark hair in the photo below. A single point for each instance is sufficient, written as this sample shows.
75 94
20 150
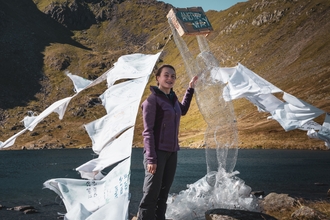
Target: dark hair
158 72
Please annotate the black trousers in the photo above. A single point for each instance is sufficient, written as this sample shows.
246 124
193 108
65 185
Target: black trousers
157 186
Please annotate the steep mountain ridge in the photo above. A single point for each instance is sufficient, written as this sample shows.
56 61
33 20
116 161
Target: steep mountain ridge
285 42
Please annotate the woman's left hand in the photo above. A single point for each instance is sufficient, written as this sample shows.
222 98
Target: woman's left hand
193 82
152 168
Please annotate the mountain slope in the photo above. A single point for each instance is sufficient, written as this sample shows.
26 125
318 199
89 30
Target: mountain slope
285 42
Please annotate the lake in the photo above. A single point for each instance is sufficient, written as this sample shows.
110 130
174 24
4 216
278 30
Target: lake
299 173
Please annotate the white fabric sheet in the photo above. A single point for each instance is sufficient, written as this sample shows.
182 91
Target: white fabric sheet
112 137
91 195
294 113
104 130
125 93
291 114
10 141
79 83
31 121
323 133
78 212
59 107
115 151
82 83
114 209
265 102
132 66
222 74
121 102
243 82
310 125
99 79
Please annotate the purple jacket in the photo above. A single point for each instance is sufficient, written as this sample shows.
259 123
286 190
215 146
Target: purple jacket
161 119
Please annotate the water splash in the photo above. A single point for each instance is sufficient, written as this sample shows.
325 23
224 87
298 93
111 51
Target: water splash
219 188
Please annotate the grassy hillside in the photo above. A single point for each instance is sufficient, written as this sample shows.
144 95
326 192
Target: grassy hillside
285 42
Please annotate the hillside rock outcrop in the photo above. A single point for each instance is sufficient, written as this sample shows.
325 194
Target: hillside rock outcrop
79 15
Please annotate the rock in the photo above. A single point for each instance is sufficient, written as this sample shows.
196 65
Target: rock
34 134
21 208
307 213
94 101
79 112
258 193
135 218
277 202
320 184
58 62
228 214
26 209
53 146
74 16
30 211
268 17
328 193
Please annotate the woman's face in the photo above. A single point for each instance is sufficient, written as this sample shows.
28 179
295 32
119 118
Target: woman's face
166 79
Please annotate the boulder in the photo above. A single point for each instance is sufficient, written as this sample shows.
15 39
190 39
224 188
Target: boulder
277 202
306 213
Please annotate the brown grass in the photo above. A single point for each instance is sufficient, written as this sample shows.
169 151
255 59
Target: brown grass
292 53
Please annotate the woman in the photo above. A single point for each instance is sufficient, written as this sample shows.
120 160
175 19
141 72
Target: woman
161 118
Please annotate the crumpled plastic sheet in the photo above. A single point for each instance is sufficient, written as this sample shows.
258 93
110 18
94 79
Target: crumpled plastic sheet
215 190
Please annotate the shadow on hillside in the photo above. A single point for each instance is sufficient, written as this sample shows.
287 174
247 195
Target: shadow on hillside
25 32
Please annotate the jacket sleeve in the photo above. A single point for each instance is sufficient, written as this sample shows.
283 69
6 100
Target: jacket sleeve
149 116
187 100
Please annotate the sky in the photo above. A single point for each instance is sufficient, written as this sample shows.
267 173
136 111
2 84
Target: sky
217 5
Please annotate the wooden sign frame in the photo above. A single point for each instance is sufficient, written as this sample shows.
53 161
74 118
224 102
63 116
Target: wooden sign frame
190 21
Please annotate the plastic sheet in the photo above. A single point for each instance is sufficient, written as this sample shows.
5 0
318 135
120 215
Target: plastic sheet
215 190
221 133
219 188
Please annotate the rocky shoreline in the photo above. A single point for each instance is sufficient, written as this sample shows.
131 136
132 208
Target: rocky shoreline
272 207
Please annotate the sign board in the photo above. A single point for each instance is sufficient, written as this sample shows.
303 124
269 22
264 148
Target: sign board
190 21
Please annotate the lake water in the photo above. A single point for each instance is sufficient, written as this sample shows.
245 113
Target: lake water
294 172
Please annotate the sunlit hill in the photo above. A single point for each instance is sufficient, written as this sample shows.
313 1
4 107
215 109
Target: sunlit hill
285 42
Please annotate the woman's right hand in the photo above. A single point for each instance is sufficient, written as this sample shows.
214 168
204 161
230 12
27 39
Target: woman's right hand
151 168
193 82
